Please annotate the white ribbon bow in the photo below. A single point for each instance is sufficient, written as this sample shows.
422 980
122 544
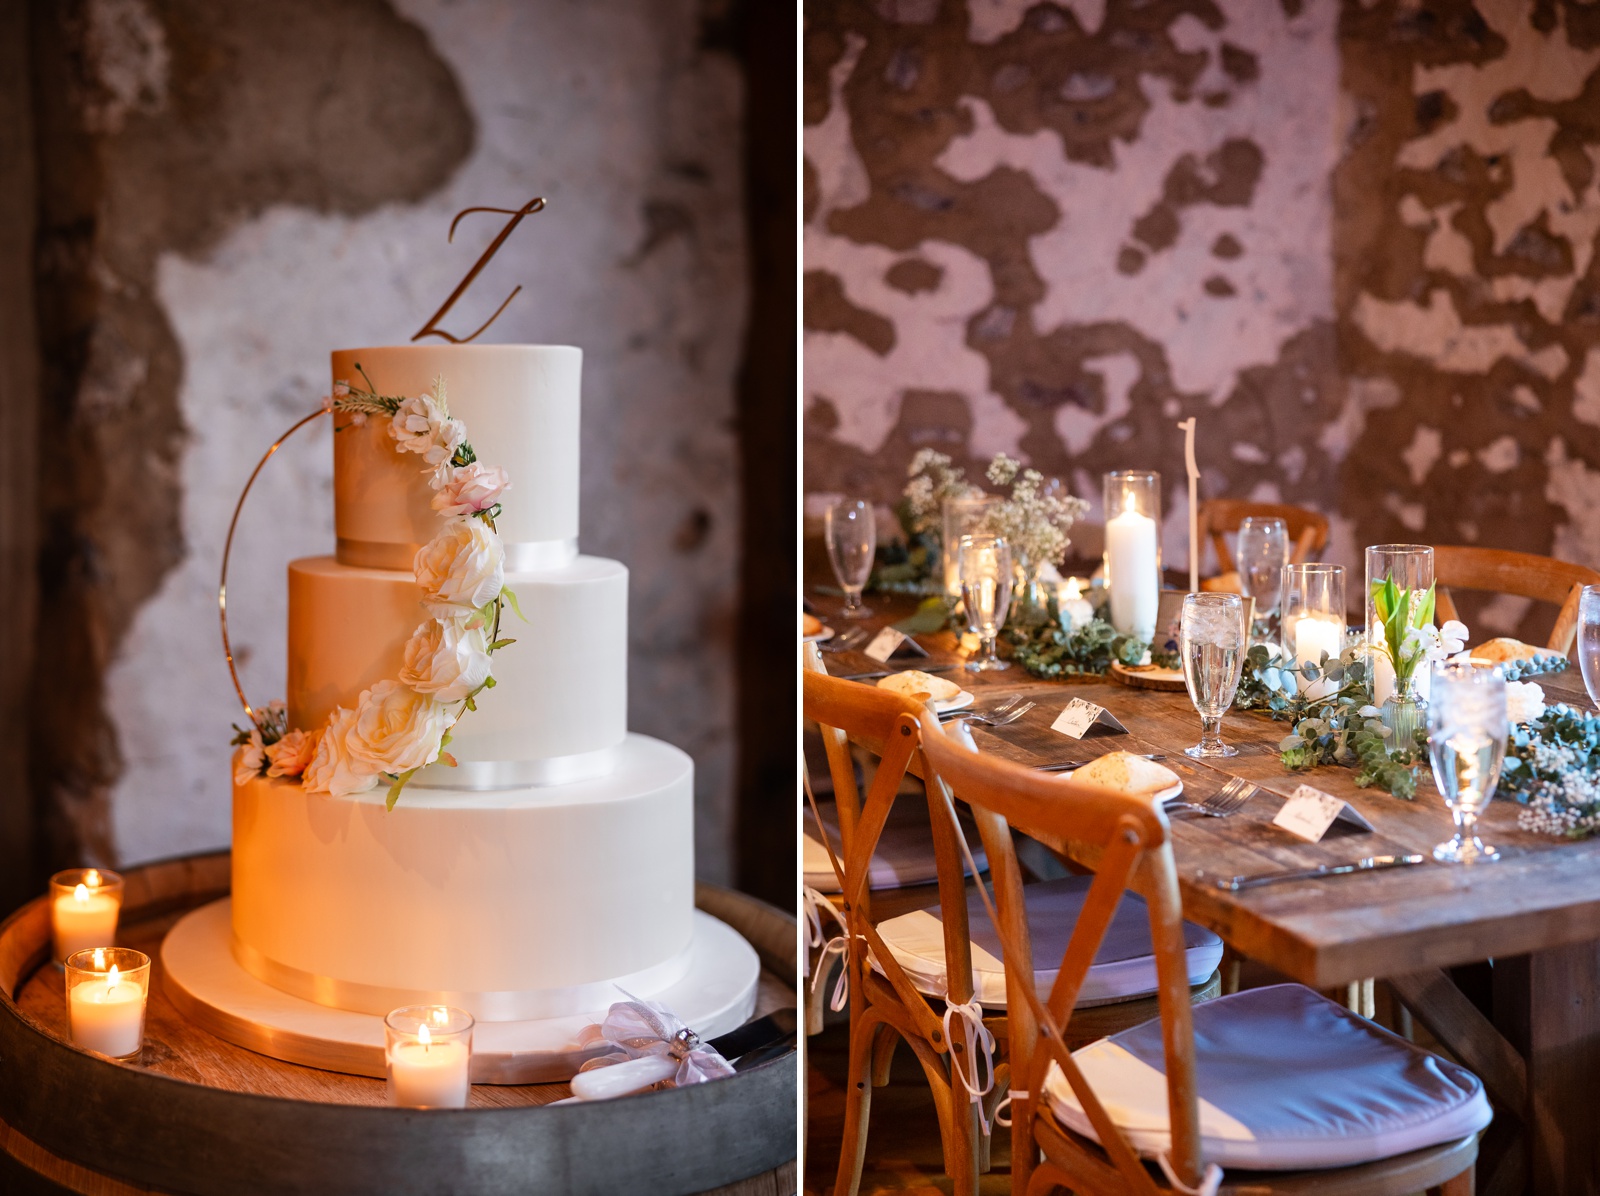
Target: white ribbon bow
638 1028
982 1043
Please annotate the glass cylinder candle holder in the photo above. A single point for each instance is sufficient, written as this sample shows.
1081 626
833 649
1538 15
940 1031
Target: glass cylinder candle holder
84 906
1410 567
962 517
1133 549
107 990
1313 612
427 1051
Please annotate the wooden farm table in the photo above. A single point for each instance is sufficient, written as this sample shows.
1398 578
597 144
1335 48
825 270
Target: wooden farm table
1535 913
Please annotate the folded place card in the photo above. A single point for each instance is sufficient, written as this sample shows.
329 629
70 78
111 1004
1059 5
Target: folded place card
1310 812
1080 715
890 642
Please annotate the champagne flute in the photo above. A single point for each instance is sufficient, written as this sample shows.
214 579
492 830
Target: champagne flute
1263 551
1467 727
1589 640
985 567
852 538
1212 642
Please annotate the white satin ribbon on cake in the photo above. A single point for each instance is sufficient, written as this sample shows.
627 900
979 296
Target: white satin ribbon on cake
515 1006
480 776
522 556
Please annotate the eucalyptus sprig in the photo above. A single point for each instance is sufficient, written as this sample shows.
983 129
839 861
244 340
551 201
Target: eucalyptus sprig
1053 650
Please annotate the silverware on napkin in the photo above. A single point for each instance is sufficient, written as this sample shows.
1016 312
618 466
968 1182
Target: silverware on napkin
1376 863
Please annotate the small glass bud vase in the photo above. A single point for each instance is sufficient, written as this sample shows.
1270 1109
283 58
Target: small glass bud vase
1313 613
107 990
1133 550
427 1052
1398 686
85 904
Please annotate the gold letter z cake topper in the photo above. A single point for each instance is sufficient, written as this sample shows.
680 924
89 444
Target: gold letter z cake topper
431 327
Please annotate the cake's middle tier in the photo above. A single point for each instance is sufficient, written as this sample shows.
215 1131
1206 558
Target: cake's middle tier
559 707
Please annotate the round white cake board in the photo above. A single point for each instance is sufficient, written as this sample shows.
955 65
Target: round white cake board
206 983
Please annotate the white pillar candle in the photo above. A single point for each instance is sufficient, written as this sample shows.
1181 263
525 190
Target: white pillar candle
1135 581
429 1074
1314 635
107 1015
1382 676
84 919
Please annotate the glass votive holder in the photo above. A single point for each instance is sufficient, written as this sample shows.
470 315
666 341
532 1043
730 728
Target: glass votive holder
1313 612
84 906
962 517
1133 549
427 1051
107 990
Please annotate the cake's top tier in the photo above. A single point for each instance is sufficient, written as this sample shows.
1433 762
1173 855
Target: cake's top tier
520 405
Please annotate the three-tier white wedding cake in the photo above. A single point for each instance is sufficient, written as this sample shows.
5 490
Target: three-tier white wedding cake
553 862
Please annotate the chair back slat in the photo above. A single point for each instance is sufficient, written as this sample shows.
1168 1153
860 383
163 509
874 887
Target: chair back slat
889 725
1131 833
1524 574
836 747
1307 528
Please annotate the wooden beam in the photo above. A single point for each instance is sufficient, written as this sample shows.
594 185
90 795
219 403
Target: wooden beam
1455 1021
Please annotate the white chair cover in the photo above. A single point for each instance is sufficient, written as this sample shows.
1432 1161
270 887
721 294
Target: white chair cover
1124 967
905 849
1288 1080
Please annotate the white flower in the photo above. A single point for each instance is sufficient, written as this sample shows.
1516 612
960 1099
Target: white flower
395 729
461 569
332 770
252 757
445 659
291 755
421 426
470 489
1524 701
1452 637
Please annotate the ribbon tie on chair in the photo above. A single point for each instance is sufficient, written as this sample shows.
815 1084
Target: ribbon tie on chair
638 1028
982 1043
838 947
1209 1182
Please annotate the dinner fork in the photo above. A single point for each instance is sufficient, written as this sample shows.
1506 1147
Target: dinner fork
842 643
1000 707
1230 799
997 717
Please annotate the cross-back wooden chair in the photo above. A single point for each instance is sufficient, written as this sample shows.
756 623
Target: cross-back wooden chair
1308 530
1102 1155
1524 574
909 979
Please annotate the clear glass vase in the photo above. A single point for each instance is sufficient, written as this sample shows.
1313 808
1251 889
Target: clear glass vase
1404 713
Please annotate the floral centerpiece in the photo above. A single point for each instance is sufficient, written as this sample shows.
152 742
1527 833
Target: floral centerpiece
915 566
1409 640
404 724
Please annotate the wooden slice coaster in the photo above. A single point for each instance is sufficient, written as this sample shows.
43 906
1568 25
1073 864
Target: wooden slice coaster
1147 676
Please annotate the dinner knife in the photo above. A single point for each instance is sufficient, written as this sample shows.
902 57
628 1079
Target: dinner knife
1375 863
748 1041
934 668
1074 765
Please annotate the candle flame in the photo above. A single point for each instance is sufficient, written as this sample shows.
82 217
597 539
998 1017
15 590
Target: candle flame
1074 589
1127 504
99 958
112 978
92 878
80 893
424 1037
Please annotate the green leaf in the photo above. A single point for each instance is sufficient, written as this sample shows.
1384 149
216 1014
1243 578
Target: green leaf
500 643
1425 612
510 596
488 683
397 786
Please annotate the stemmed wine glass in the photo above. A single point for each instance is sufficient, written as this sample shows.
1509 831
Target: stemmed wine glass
1589 640
1467 727
984 563
852 542
1263 551
1211 638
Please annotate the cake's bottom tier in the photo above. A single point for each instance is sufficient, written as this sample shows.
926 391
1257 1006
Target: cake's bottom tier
512 904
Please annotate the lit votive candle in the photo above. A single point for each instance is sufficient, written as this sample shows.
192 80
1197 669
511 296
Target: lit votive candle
428 1056
1315 635
85 903
107 989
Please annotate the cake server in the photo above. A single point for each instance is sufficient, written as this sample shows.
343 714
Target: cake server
749 1040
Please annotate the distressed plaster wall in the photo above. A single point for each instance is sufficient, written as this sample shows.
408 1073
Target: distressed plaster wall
1355 241
241 189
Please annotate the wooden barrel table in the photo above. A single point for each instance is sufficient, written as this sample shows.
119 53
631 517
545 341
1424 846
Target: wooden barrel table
196 1115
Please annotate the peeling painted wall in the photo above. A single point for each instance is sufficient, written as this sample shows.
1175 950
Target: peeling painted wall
278 181
1357 242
